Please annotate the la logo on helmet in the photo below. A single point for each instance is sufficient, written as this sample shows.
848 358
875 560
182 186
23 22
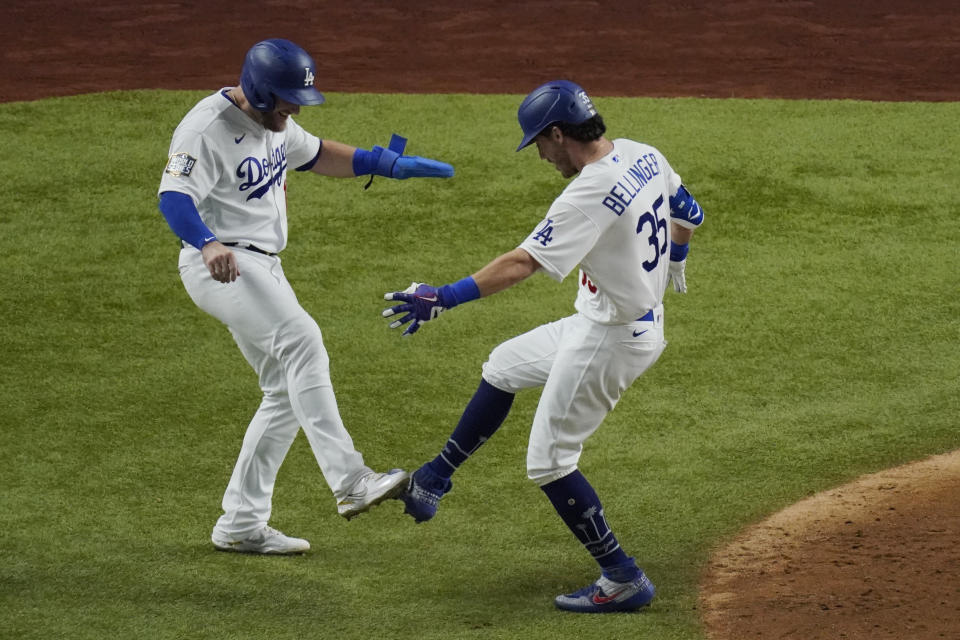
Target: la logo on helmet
308 78
587 102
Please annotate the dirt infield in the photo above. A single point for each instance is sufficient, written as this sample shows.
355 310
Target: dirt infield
876 50
875 559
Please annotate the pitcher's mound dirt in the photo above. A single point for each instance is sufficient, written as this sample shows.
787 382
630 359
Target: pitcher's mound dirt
877 558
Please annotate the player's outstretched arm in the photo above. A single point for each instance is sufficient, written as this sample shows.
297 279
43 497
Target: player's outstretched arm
423 302
340 160
391 163
505 271
335 161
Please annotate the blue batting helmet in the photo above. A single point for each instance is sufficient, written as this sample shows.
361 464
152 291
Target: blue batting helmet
556 101
278 68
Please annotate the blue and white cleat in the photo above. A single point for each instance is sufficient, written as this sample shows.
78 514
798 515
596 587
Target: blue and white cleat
607 596
423 493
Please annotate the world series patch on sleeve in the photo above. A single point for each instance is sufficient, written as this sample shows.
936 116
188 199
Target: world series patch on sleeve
180 164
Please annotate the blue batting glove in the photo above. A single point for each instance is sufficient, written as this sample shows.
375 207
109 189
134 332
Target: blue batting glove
391 163
417 167
423 304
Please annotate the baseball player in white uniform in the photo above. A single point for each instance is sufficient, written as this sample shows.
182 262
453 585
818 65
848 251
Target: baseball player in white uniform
617 220
223 193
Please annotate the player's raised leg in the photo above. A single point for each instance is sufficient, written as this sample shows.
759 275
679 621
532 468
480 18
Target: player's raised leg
483 415
304 358
285 346
519 363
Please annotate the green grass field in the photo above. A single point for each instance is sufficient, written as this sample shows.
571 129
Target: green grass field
818 341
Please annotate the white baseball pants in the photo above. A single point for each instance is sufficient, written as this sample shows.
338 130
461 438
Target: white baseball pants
583 367
284 346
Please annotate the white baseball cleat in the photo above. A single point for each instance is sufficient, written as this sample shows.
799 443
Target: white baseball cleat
266 540
371 490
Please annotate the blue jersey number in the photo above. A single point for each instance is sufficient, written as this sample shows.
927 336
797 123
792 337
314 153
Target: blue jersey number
657 224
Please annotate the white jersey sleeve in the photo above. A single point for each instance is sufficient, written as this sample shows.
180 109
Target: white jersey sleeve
671 177
193 167
302 147
563 238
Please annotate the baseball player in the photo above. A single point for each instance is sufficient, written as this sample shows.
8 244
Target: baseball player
223 193
618 219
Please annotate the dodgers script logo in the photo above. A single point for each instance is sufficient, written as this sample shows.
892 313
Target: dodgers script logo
260 174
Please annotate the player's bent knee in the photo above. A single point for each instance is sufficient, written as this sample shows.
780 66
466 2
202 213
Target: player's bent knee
300 338
511 368
495 375
497 383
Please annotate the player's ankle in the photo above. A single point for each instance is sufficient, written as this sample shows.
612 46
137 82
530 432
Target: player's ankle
623 572
441 471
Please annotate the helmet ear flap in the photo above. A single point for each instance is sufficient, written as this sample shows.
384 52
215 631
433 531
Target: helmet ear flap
257 94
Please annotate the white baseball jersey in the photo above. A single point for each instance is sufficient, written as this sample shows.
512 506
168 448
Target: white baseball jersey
613 220
235 171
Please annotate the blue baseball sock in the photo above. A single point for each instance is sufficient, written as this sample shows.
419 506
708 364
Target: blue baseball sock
578 505
485 412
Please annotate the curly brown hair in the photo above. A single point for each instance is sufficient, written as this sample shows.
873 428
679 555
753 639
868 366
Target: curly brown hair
587 131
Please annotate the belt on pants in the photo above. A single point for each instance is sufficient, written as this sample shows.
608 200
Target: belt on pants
647 317
248 247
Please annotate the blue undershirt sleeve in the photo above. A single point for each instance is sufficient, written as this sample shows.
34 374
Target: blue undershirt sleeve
184 219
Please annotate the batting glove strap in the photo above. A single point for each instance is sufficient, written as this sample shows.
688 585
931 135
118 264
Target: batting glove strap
459 292
379 161
678 252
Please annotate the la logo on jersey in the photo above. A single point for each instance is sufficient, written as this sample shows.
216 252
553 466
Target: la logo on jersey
308 77
544 233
